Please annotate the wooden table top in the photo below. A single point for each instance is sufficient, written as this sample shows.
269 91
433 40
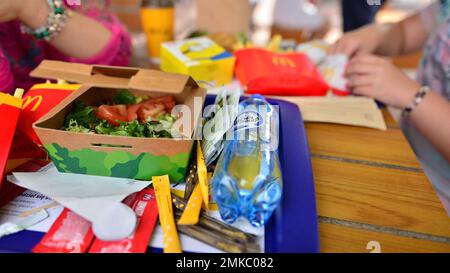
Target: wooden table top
371 188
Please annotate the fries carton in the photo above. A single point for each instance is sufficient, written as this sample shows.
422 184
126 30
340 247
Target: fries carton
10 107
117 156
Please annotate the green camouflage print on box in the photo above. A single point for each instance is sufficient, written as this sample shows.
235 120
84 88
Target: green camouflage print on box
118 163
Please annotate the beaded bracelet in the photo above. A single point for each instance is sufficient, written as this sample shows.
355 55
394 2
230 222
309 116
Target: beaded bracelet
423 91
55 21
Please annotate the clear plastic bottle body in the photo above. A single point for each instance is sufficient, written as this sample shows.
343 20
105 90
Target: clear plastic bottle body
247 180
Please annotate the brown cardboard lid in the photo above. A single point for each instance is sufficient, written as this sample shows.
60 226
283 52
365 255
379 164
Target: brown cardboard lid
114 76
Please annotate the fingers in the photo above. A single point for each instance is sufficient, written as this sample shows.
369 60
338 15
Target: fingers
361 76
359 81
367 91
366 59
335 47
348 47
358 69
363 65
363 84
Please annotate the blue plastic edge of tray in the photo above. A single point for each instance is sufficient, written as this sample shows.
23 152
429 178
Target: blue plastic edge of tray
293 228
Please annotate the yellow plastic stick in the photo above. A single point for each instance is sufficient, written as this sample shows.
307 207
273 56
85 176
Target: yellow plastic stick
191 213
202 175
211 205
161 185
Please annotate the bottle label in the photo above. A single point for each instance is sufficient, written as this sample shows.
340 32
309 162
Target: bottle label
257 123
248 120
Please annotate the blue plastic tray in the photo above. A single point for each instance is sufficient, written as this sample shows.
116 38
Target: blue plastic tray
293 227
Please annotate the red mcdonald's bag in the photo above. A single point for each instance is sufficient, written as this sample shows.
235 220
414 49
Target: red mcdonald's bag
287 74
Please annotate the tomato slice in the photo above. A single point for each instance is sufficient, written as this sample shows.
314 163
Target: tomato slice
167 101
132 111
162 99
150 111
121 109
112 114
169 106
150 108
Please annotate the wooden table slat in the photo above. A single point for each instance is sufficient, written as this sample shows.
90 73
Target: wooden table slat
388 147
335 238
380 196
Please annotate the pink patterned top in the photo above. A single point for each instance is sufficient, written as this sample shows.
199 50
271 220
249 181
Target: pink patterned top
20 53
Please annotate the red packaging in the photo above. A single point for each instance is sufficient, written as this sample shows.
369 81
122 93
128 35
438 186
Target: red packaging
288 74
40 99
24 147
145 207
9 191
70 233
10 108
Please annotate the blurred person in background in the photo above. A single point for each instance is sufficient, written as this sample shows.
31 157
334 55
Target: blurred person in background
358 13
83 32
303 17
300 20
425 118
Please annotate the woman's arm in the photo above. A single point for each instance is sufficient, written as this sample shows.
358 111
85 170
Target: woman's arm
407 36
81 37
378 78
431 119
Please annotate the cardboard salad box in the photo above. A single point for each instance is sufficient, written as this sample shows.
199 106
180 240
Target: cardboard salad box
202 58
117 156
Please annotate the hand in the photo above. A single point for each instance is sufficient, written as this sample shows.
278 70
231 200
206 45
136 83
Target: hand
362 41
378 78
32 13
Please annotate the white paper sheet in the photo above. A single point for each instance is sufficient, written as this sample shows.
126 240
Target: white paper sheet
83 194
88 196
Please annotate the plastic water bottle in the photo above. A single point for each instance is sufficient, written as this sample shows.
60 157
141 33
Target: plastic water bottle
247 180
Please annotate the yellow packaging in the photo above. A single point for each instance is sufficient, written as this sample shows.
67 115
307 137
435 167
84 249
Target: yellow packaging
201 58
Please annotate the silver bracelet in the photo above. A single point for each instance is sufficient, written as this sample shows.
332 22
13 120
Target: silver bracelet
56 20
423 91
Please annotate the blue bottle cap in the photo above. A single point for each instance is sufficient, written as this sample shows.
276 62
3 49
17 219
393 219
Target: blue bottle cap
258 96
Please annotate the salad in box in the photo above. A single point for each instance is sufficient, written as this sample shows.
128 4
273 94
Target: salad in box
121 122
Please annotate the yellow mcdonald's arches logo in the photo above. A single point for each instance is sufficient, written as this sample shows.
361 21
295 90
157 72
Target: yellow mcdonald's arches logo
29 100
283 61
